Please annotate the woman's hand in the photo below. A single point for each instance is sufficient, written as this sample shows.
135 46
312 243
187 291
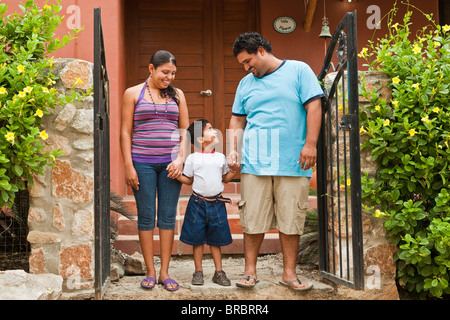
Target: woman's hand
131 177
175 168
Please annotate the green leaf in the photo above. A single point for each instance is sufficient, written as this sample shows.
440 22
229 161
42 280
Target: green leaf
18 170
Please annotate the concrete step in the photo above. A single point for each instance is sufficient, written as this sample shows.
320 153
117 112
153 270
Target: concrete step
130 244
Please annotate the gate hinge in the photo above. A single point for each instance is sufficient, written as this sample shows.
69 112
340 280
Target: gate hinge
347 122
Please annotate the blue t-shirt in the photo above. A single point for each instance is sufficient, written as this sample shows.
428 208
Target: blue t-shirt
276 118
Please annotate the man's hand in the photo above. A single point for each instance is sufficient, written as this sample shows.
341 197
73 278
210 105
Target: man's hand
233 161
308 157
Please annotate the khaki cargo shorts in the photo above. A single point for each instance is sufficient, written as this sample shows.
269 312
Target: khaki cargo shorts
269 202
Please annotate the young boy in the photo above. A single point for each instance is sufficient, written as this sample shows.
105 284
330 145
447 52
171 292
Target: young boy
205 220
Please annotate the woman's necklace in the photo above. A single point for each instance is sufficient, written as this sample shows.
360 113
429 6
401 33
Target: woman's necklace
154 104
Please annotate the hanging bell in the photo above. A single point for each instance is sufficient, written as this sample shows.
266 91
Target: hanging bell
325 33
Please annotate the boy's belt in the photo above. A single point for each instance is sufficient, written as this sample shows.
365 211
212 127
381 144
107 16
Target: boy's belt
218 197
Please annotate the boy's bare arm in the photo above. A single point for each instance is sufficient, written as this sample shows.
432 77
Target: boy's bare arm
186 180
228 176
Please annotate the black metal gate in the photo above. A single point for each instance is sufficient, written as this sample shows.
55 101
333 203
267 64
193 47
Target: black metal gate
101 161
338 164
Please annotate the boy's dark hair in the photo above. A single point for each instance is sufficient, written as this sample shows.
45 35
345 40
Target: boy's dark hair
250 42
195 131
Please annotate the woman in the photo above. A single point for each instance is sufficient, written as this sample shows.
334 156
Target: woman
154 118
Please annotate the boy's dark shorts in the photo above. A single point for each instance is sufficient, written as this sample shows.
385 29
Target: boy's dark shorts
205 222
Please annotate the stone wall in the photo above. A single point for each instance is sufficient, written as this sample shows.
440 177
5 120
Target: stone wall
61 216
379 266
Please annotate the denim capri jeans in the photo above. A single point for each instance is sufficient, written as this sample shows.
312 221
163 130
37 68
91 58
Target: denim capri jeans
156 190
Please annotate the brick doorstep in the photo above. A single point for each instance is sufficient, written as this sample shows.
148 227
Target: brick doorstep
128 241
130 244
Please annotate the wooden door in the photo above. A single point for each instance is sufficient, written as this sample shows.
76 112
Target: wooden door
200 34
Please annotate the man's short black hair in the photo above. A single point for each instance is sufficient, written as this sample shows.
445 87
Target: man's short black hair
250 42
195 131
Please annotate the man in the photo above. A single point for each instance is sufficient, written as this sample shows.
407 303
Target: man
278 107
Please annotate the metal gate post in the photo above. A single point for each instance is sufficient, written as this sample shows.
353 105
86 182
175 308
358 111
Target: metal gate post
101 162
333 175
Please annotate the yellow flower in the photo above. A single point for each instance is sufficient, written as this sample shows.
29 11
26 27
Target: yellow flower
39 113
45 90
395 103
395 26
379 213
446 28
78 81
426 120
412 132
437 44
362 130
386 122
416 49
52 157
363 53
43 135
377 107
10 137
28 89
436 109
50 82
415 86
21 69
3 91
395 80
22 94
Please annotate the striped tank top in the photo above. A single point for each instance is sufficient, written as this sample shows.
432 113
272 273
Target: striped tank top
156 138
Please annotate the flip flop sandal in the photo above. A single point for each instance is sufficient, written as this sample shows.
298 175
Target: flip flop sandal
169 281
288 284
247 285
148 280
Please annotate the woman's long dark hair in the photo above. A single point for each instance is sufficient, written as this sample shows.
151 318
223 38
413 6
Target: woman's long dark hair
162 57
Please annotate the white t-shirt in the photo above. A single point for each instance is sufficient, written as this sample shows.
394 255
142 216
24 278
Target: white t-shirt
207 170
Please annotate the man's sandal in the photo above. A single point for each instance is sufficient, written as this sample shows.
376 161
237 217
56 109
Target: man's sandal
247 285
289 285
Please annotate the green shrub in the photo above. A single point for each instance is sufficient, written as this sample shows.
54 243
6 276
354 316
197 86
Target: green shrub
27 38
409 139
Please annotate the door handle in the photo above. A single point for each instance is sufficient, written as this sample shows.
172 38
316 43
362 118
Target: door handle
206 93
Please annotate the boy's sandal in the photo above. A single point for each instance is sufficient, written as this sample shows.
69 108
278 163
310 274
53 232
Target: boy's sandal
197 278
146 283
247 285
221 278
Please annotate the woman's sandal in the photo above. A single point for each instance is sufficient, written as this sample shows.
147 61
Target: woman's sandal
167 282
148 285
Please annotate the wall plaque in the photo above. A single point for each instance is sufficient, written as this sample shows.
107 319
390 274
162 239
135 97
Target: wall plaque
284 24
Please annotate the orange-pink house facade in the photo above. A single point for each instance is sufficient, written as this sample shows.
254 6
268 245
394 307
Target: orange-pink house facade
298 44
